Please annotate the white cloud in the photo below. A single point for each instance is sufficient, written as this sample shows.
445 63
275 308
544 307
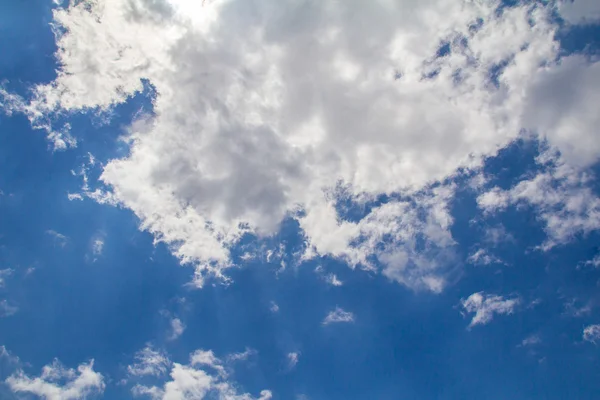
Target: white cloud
292 359
531 340
97 246
177 328
561 196
484 306
149 362
4 273
333 280
243 356
8 357
59 383
579 11
196 381
482 257
591 333
594 262
274 307
59 239
338 315
7 309
574 310
262 110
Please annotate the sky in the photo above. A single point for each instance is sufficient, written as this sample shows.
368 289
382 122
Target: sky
228 199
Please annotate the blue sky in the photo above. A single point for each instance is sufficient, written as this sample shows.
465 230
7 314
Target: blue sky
299 201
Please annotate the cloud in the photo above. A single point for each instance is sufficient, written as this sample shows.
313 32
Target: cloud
591 333
7 309
262 110
59 239
243 356
8 357
561 196
197 381
482 257
338 315
333 280
484 306
292 360
59 383
579 11
149 362
97 246
4 273
177 328
594 262
330 279
274 308
531 340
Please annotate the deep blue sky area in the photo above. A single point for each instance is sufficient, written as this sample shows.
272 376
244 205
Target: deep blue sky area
75 303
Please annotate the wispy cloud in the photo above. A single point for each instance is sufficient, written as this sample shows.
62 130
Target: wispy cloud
292 360
7 309
338 315
591 333
485 306
177 328
149 361
59 239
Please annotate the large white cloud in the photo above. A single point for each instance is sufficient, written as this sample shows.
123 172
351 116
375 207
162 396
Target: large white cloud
204 376
263 108
59 383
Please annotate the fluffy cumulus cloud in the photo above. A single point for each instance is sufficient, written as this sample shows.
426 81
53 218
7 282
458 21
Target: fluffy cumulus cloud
263 110
203 377
485 306
338 315
59 383
591 333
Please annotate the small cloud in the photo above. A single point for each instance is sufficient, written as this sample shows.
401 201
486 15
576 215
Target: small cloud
333 280
8 357
482 257
98 246
177 328
7 309
498 234
485 306
531 340
591 333
5 273
292 359
274 307
149 362
594 262
74 196
338 315
59 239
243 356
573 310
